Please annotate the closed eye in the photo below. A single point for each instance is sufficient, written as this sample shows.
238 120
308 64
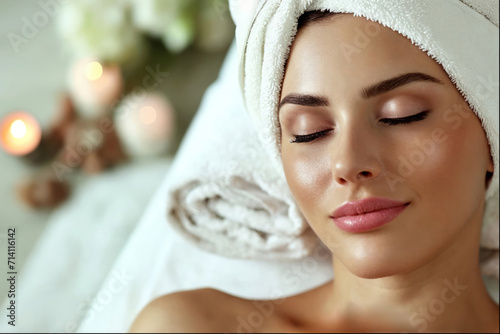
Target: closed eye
390 121
407 119
310 137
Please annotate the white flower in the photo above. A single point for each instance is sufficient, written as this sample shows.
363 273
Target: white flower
101 29
179 33
171 20
152 16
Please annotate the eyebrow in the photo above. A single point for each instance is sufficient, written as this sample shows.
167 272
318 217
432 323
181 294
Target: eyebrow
393 83
304 100
382 87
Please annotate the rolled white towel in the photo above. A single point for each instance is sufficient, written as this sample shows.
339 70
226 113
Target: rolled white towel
226 197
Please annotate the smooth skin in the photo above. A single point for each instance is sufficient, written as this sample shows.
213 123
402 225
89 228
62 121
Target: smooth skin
387 279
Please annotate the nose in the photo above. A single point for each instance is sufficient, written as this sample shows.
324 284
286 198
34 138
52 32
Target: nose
356 157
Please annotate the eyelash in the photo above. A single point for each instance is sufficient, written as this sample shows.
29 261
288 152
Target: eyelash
406 120
389 121
308 138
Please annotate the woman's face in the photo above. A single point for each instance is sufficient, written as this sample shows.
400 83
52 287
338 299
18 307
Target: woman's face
386 122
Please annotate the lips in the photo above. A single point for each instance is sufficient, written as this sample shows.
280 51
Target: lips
367 214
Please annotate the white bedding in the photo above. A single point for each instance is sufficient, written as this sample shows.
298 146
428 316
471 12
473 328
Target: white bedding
157 260
79 245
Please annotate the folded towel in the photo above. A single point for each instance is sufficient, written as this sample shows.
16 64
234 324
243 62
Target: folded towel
471 62
226 197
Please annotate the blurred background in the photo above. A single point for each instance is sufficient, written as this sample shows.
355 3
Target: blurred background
95 99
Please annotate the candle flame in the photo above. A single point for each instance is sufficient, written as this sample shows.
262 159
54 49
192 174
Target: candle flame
147 115
93 71
20 133
18 129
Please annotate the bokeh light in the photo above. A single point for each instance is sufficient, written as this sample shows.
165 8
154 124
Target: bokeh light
18 129
147 115
93 71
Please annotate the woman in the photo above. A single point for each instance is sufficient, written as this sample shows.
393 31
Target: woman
390 166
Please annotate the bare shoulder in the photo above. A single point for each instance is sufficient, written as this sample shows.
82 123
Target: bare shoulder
209 310
202 310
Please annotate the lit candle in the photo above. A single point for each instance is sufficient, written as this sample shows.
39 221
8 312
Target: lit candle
95 87
20 133
145 125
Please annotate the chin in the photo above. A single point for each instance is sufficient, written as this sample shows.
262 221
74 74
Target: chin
377 262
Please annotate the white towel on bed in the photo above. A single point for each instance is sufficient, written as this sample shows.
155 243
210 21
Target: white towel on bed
225 195
157 261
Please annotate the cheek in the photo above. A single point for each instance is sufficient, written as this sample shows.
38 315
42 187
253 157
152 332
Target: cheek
448 169
466 155
308 176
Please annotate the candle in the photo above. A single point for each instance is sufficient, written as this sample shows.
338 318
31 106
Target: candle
42 190
20 133
145 125
95 87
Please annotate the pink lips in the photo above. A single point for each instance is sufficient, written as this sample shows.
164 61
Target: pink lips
367 214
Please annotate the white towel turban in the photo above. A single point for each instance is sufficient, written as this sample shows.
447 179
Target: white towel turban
462 36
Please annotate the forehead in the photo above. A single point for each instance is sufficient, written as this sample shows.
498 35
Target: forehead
346 51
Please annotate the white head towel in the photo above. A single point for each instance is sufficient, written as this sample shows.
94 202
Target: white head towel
460 35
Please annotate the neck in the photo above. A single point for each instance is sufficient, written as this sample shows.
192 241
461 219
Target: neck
445 294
